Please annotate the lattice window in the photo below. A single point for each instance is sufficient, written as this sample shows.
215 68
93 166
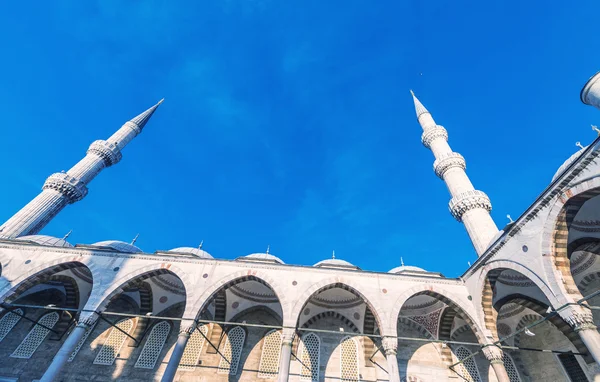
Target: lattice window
8 321
467 369
511 369
232 349
82 341
115 340
35 337
269 359
349 371
572 367
191 354
154 345
309 357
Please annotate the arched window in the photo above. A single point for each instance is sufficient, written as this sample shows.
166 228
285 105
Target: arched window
36 336
309 357
232 349
511 369
82 341
467 369
8 321
349 371
191 354
154 345
269 359
115 340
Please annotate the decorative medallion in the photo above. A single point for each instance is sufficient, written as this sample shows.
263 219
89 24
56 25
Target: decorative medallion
235 305
306 312
163 299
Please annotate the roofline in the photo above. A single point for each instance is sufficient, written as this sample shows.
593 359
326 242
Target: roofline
516 226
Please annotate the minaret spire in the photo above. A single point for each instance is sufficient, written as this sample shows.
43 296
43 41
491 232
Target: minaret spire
468 205
63 188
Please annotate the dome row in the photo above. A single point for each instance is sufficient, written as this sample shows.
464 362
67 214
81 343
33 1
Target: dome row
124 247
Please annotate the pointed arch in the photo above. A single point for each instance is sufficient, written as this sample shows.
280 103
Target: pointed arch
349 361
467 369
269 357
154 345
114 342
231 351
36 336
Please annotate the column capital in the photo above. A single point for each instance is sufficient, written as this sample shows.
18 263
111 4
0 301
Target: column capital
390 345
287 336
578 319
87 319
187 326
493 354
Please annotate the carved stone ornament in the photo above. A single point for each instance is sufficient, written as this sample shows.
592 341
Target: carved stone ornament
187 327
443 164
72 188
109 153
430 135
493 354
580 321
88 319
467 201
390 345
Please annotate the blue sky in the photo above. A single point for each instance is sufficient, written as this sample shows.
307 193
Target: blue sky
291 124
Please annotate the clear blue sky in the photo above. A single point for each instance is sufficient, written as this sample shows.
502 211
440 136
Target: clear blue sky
291 124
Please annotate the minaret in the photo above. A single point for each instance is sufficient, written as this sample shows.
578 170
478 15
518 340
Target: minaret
468 205
63 188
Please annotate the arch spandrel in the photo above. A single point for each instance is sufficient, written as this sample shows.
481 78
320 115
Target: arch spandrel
49 268
103 292
195 308
464 307
379 312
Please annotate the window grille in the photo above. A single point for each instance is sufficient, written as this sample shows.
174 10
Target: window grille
82 341
35 337
8 321
349 371
511 369
468 369
572 367
269 359
115 340
154 345
309 357
191 354
232 349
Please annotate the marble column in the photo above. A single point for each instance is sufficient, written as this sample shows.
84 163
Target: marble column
390 348
495 355
86 321
583 324
286 355
185 330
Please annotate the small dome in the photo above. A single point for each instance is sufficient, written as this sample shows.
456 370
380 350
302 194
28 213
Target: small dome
406 268
50 241
120 246
335 263
266 257
192 251
567 163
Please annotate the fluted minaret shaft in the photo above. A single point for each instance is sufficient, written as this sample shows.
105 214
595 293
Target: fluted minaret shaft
63 188
468 205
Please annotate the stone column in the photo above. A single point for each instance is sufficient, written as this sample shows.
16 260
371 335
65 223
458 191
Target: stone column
286 355
85 322
495 355
185 330
582 323
390 347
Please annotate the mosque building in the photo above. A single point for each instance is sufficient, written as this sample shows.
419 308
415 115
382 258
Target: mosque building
526 310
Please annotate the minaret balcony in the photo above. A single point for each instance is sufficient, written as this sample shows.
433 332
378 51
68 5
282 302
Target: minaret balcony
432 134
448 161
71 188
109 152
467 201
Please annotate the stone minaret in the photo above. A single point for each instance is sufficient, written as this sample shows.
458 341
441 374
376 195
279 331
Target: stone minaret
468 205
63 188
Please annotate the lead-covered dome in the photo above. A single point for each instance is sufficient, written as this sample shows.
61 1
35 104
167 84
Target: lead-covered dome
262 257
567 163
120 246
50 241
192 251
335 263
406 268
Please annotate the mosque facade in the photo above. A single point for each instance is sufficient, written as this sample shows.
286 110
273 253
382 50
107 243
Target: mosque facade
524 311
